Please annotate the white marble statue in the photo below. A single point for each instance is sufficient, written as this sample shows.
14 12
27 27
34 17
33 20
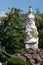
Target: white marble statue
0 63
31 30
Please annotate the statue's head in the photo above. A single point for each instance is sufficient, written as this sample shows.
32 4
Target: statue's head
30 14
30 9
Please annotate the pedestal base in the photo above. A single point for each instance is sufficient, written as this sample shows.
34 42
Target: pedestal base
31 45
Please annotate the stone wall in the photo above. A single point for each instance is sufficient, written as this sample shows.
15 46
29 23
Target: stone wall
34 56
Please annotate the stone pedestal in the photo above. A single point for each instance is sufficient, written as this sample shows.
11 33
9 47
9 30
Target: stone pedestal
33 45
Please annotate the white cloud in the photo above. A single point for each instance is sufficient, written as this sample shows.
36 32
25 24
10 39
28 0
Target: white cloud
2 14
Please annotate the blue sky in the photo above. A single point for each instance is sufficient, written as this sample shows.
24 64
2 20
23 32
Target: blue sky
21 4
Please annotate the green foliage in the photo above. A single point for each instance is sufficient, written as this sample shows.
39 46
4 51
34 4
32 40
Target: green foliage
16 61
12 31
39 24
3 58
11 61
41 38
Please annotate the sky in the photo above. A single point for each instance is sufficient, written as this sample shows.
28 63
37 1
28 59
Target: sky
21 4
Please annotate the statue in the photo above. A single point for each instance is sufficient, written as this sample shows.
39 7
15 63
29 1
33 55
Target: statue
31 30
0 63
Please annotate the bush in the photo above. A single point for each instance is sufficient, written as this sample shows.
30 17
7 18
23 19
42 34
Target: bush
16 61
3 58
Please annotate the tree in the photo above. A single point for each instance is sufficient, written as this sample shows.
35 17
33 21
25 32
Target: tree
13 31
39 24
